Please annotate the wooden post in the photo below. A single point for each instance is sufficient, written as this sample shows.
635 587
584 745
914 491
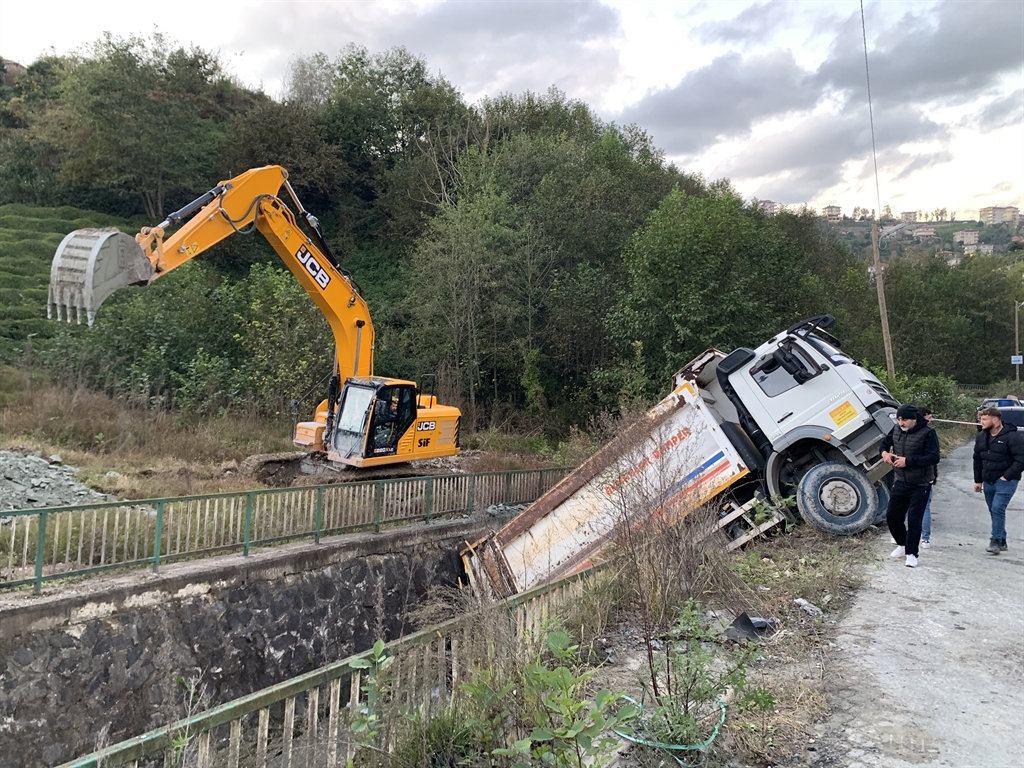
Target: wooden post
890 367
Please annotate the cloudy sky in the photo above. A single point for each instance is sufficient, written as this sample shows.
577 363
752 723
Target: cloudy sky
770 94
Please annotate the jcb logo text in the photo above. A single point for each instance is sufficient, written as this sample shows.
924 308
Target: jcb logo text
313 267
425 426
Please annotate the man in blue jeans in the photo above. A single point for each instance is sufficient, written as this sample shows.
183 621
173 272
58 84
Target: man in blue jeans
926 521
998 462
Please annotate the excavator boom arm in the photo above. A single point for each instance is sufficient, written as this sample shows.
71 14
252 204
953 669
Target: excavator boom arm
92 264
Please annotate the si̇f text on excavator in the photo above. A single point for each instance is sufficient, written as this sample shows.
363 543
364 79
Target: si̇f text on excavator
365 420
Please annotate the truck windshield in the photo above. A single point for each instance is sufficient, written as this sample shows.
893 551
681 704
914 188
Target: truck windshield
354 409
833 354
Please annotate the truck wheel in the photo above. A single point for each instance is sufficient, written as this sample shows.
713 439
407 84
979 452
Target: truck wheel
883 503
837 498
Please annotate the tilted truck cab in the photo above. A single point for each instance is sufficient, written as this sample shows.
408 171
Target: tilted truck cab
799 402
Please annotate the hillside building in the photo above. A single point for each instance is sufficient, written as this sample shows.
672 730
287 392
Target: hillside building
909 217
966 236
999 215
833 213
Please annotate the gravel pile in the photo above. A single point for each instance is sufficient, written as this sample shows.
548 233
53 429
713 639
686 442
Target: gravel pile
506 510
30 481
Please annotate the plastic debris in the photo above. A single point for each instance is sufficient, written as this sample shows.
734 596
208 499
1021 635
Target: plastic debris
764 625
751 628
810 608
742 629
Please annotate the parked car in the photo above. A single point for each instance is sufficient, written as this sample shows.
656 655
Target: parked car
1001 402
1010 408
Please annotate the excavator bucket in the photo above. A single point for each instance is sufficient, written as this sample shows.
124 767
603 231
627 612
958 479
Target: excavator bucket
90 264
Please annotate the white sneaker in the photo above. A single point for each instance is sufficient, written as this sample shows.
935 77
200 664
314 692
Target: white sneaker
899 552
911 561
926 544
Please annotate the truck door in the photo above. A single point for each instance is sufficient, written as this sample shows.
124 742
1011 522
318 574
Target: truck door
793 386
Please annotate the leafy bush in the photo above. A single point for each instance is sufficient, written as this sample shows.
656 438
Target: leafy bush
936 392
557 723
245 346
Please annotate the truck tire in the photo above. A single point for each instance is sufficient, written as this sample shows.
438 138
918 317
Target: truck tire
883 503
837 498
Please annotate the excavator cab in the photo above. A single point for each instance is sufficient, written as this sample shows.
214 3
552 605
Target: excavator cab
382 420
372 416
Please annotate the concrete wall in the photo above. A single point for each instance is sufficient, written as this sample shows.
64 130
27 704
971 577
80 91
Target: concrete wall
98 660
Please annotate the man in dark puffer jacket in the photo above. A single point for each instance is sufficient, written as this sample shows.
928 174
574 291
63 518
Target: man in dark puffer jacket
998 462
913 449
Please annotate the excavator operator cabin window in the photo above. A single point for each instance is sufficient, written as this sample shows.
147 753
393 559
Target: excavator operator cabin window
392 414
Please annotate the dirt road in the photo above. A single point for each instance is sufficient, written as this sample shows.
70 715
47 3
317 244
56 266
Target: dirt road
929 669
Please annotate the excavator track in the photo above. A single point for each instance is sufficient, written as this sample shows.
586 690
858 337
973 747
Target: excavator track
295 468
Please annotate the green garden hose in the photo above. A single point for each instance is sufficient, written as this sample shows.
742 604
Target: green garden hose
677 747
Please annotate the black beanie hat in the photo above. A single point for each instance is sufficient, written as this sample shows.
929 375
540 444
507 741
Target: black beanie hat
907 411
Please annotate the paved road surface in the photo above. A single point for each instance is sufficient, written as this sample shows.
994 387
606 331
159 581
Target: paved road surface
929 669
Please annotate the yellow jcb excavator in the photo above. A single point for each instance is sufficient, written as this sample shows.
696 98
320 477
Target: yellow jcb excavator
365 420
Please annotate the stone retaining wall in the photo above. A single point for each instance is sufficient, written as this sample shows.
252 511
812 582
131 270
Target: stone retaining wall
98 661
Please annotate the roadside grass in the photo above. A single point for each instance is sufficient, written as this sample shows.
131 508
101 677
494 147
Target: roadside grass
826 571
804 563
151 453
655 573
139 453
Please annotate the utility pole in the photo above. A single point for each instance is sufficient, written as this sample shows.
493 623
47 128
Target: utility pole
1016 334
880 287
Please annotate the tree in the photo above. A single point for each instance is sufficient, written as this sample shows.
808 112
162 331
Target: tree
706 272
286 343
286 134
562 209
140 118
462 252
309 81
28 159
951 321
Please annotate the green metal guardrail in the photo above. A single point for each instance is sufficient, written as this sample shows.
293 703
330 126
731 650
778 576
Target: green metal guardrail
39 545
305 720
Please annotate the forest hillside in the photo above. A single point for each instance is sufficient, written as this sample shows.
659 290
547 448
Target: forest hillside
546 265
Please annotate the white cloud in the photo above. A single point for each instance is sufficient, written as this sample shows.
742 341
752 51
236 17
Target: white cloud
771 93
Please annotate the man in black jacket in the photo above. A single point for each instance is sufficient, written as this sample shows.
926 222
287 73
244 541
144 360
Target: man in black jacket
913 450
998 462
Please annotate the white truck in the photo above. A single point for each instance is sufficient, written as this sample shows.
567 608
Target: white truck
796 416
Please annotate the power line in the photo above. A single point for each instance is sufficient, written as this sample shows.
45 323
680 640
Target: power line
883 313
871 115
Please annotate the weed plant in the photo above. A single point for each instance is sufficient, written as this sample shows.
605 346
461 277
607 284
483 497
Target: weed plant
693 680
535 706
